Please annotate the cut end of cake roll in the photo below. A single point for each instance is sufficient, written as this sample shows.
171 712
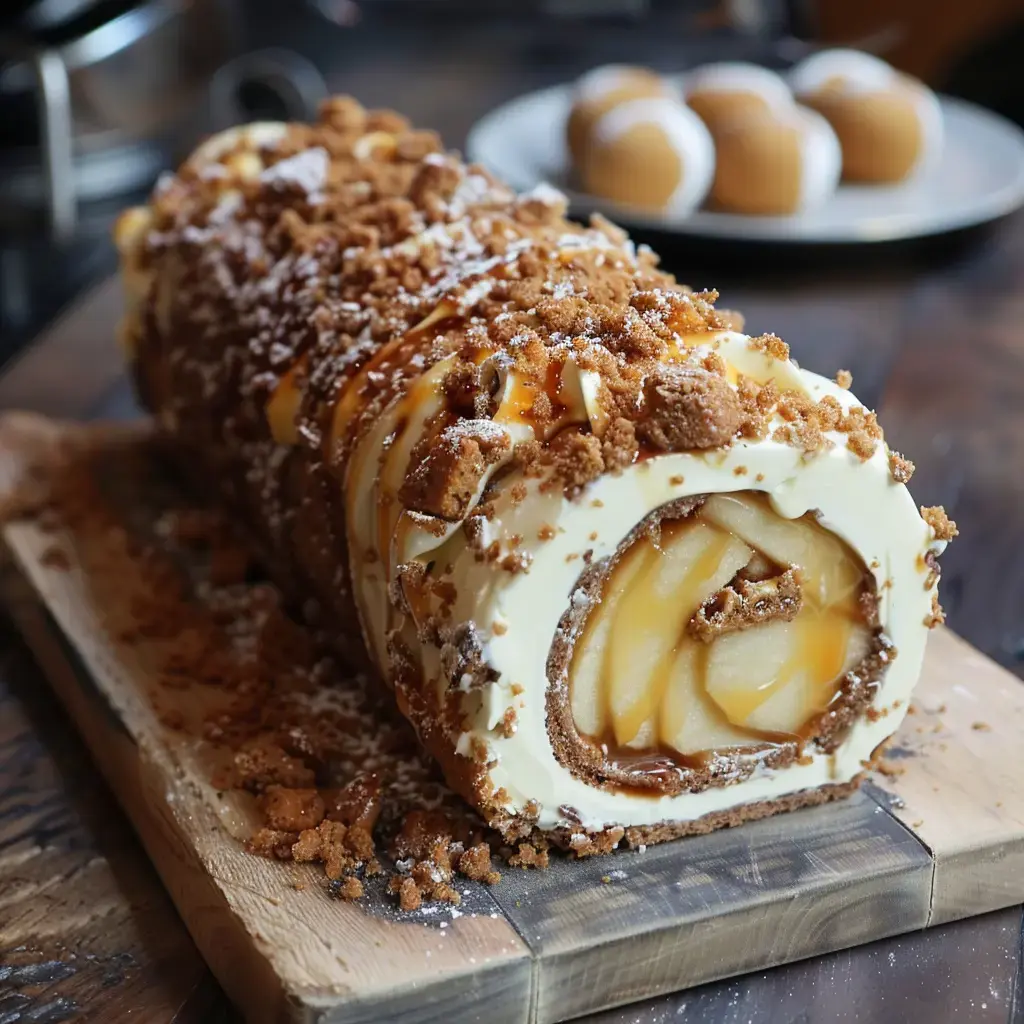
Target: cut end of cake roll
625 569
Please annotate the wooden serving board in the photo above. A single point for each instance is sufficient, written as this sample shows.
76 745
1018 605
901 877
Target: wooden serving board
943 839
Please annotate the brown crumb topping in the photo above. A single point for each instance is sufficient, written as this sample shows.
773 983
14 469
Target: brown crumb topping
445 480
291 810
936 616
771 345
351 888
747 603
942 526
409 897
475 864
530 855
900 469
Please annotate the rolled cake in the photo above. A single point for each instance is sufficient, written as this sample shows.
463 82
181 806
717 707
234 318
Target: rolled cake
625 570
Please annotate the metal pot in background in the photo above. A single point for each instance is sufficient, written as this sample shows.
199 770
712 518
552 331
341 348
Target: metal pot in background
95 99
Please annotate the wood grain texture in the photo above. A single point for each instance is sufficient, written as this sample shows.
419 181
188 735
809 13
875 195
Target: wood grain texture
970 977
612 930
280 952
84 921
960 781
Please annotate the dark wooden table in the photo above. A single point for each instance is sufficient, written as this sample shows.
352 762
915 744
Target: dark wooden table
934 335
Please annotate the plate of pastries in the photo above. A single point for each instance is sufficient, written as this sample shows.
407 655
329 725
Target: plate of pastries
840 147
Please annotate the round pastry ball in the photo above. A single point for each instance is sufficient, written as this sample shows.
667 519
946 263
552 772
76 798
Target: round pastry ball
653 153
719 93
775 163
600 90
889 125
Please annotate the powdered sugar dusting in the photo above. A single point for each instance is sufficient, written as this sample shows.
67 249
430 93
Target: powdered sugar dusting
306 171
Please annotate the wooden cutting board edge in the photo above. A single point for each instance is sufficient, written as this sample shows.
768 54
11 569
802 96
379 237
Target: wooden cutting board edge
247 972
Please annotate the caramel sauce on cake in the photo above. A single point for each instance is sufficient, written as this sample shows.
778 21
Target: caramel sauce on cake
648 690
521 405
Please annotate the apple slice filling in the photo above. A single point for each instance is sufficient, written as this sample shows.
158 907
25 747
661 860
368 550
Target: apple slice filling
729 628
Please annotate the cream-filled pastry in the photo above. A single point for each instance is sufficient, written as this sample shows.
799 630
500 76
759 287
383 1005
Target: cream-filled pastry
651 153
601 89
719 93
889 125
775 162
630 574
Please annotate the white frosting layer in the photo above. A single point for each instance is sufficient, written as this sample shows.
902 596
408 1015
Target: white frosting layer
516 615
685 132
822 158
857 71
599 82
739 77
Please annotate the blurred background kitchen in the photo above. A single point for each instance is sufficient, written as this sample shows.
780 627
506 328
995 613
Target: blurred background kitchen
97 96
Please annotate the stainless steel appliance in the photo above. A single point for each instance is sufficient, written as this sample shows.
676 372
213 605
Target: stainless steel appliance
95 95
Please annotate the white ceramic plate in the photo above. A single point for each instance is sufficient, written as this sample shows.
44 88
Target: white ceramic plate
979 178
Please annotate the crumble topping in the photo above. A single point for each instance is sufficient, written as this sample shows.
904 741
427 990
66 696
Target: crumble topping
900 468
943 527
322 245
771 345
338 778
686 408
748 603
445 480
937 616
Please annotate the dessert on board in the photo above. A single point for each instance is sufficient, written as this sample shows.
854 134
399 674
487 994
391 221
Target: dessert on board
629 572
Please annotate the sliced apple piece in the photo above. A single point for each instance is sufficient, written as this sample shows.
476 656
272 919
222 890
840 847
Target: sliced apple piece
827 648
693 563
743 667
830 574
646 737
691 723
282 409
586 690
587 672
789 704
775 677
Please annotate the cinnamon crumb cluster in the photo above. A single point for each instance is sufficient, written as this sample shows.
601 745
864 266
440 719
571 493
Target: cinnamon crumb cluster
944 527
900 468
748 603
312 256
314 249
